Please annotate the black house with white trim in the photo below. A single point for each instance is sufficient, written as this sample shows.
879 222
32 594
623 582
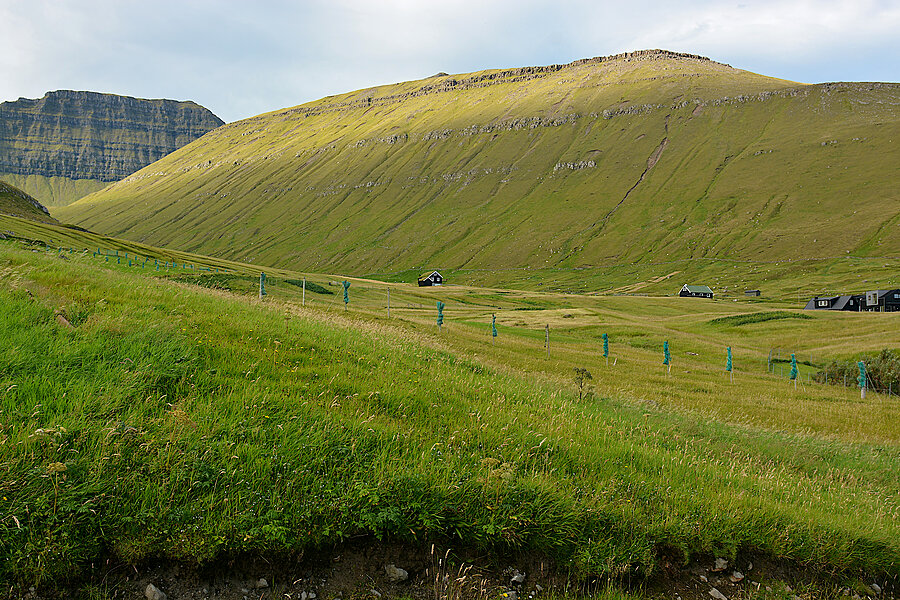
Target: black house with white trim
695 291
433 278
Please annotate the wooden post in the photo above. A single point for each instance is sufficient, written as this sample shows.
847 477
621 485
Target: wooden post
389 302
304 292
547 341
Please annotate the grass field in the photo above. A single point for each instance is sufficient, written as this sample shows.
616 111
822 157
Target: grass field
176 419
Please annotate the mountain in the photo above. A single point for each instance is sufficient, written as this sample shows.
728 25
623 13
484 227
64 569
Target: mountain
69 144
638 158
17 203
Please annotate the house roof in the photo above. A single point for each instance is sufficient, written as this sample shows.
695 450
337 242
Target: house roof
698 289
841 302
428 274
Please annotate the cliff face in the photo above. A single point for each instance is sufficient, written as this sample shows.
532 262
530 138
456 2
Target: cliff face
88 135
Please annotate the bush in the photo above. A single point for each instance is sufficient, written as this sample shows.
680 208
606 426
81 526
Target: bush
310 286
882 370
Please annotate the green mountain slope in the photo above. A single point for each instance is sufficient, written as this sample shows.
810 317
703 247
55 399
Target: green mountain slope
644 157
16 203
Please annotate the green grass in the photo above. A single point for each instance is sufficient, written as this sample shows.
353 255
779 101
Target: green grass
758 317
187 423
451 180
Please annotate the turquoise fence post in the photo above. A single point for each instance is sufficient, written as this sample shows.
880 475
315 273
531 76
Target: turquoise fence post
794 370
606 348
346 285
440 315
667 358
118 258
728 363
493 327
862 379
262 285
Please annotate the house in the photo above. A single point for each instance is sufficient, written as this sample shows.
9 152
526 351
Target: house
821 303
852 302
751 292
882 301
695 291
433 278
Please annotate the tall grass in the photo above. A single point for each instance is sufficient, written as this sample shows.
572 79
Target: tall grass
191 424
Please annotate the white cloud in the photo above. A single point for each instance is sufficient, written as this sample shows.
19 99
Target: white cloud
240 58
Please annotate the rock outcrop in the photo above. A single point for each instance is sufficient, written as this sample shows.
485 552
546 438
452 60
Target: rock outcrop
88 135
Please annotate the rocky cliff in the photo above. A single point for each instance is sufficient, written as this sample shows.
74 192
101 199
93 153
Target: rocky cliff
88 135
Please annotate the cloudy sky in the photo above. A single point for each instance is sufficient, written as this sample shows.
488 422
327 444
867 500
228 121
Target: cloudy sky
242 58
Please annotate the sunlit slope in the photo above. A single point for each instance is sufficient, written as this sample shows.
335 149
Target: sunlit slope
654 156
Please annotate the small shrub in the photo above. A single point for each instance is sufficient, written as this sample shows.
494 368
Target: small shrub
582 376
310 286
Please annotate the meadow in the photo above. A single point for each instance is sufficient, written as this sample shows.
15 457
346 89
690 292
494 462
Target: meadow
175 415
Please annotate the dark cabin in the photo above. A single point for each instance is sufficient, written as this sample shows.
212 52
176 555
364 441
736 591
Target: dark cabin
433 278
847 302
881 301
751 292
695 291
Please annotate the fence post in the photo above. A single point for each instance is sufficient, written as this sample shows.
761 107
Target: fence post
547 339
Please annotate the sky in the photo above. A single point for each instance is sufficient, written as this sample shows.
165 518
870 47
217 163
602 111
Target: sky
243 58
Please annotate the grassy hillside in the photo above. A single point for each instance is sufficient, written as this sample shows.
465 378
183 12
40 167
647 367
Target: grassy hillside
14 202
635 160
173 419
54 191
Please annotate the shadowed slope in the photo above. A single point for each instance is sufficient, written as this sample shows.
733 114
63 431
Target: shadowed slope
17 203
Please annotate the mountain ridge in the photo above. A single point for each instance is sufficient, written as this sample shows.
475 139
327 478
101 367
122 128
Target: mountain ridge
650 155
69 136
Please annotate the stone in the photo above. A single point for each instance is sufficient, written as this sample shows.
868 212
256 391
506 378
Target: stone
876 588
517 577
717 594
704 579
736 577
153 593
721 565
262 583
395 574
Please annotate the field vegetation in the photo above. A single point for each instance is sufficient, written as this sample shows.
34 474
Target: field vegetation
153 414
